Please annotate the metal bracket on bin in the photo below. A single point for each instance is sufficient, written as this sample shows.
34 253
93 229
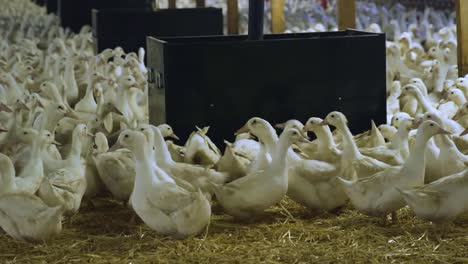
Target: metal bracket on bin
155 79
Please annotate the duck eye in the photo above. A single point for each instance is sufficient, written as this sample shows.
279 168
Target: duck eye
60 107
25 133
126 136
397 119
429 116
142 129
168 128
254 122
96 120
333 116
451 92
432 125
94 146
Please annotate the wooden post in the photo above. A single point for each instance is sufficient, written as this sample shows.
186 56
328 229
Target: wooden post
172 4
462 32
200 3
233 17
346 12
278 20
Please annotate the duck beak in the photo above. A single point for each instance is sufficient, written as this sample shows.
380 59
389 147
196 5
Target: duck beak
242 130
5 108
116 110
416 123
71 114
304 140
116 146
57 143
3 130
280 126
458 115
174 136
89 134
324 123
25 106
464 132
306 129
442 131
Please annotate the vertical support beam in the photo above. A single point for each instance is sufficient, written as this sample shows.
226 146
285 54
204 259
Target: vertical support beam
233 17
172 4
200 3
278 20
462 32
346 12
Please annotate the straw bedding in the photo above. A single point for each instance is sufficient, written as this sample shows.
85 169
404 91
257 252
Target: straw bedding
287 233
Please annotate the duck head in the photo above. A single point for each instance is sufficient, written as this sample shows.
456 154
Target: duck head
313 124
167 131
258 127
397 117
293 136
336 119
100 143
132 140
293 123
431 128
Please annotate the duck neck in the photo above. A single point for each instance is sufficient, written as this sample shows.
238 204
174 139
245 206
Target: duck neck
325 139
415 164
163 157
350 148
7 176
74 158
132 103
270 140
34 170
400 139
424 102
459 100
278 157
144 171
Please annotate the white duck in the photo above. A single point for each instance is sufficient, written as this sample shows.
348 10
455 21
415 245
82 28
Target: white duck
398 150
158 201
65 183
326 149
354 165
440 201
199 149
377 195
25 217
257 191
196 175
116 168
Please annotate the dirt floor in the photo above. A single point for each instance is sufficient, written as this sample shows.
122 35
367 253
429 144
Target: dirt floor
285 234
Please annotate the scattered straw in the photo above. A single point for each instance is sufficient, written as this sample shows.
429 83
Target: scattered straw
287 233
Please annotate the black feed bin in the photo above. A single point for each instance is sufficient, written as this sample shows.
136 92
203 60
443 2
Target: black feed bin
51 6
135 24
74 14
221 81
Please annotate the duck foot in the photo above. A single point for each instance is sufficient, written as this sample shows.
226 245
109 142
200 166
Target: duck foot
338 210
383 221
395 217
90 204
133 219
